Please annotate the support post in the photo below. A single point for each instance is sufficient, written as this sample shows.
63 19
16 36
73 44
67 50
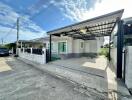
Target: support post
17 37
120 35
109 48
21 45
2 41
50 52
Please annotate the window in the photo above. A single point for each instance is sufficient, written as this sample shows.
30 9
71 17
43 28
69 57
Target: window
82 45
62 46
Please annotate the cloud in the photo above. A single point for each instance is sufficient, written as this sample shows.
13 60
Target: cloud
7 16
37 7
28 29
75 9
106 6
78 10
9 35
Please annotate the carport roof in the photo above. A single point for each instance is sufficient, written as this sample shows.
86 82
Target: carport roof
91 28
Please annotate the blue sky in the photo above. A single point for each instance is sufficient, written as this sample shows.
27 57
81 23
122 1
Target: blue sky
39 16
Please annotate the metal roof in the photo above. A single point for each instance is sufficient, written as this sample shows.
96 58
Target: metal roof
95 27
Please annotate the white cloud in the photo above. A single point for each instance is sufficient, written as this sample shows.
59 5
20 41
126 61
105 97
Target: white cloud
106 6
75 9
79 10
7 16
28 29
37 7
11 37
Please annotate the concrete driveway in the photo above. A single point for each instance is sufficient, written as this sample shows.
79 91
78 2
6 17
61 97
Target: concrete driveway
33 81
24 82
95 66
97 73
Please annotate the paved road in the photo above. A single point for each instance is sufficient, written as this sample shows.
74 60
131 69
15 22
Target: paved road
24 82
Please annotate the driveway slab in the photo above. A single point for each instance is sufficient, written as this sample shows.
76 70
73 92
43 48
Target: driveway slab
104 85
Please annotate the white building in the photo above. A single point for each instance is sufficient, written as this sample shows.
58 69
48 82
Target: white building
67 47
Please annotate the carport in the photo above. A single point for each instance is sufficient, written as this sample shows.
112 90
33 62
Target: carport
96 27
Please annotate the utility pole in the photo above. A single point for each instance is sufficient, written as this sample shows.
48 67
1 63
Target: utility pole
17 42
1 41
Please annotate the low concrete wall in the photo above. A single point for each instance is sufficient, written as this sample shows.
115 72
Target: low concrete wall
128 72
33 57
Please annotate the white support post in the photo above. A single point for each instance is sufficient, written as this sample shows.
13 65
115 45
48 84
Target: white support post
43 55
31 50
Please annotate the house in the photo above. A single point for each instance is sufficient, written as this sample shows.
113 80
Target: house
29 44
67 47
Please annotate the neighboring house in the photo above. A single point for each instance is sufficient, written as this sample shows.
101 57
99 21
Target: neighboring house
29 43
66 47
128 31
127 28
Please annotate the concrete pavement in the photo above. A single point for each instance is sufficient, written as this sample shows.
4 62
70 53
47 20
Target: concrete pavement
103 85
4 66
25 82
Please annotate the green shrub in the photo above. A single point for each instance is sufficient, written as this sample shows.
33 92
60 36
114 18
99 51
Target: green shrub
104 51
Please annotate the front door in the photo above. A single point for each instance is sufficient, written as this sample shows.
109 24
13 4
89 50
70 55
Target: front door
62 47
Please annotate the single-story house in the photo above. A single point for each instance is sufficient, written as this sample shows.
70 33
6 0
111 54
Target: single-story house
66 47
29 44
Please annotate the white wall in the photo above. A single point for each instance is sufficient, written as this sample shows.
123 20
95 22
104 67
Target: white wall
77 46
100 42
69 45
74 45
128 73
56 40
90 46
93 46
113 54
34 57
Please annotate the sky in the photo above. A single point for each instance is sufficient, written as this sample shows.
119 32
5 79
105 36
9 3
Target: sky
36 17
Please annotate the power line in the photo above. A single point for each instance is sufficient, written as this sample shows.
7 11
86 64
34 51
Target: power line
32 17
2 41
9 31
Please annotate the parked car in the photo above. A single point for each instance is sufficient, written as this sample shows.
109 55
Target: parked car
4 52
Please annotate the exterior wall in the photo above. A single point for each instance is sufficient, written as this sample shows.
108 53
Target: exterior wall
100 42
33 57
66 39
77 46
113 52
114 57
69 45
91 46
128 72
74 48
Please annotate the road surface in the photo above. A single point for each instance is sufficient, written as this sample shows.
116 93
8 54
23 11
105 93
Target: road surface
23 82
